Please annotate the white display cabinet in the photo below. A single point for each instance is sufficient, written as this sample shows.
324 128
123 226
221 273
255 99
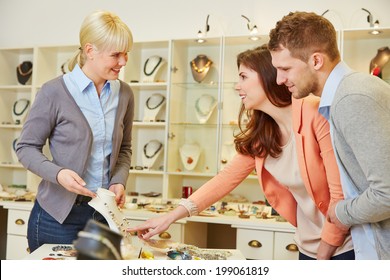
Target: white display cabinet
359 47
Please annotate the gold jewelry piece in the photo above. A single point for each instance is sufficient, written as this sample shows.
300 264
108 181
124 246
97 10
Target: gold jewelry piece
200 70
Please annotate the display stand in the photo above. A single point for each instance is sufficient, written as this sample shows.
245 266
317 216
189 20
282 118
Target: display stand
200 66
153 107
378 63
189 154
204 107
20 110
14 156
24 72
152 69
151 153
227 153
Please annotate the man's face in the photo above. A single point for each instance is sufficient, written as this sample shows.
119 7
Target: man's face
296 74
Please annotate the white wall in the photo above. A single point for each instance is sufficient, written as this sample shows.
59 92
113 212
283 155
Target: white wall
27 23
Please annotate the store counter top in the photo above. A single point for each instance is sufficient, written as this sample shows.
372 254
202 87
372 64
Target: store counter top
53 252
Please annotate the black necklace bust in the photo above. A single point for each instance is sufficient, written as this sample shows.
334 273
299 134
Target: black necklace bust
24 72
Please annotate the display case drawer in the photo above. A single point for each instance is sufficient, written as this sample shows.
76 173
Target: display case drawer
17 247
17 222
285 247
255 244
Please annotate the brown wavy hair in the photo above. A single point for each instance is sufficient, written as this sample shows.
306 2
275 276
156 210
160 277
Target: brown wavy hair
261 135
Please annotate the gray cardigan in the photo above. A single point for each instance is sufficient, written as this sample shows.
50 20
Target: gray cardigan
360 114
55 116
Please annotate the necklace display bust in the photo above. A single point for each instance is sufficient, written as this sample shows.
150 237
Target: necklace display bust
189 154
204 107
153 106
152 68
151 153
20 110
24 72
379 62
227 153
200 66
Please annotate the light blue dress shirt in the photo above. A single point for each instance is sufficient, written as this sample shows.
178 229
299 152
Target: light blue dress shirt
362 235
100 114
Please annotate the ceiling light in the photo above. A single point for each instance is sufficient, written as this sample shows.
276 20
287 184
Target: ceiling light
252 29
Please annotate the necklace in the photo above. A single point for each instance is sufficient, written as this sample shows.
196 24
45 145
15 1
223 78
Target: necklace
101 239
156 95
29 68
204 105
200 70
156 150
155 67
27 103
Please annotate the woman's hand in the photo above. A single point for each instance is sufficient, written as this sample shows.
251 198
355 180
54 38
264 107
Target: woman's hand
120 195
159 224
71 181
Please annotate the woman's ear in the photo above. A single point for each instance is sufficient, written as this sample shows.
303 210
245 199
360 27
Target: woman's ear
89 51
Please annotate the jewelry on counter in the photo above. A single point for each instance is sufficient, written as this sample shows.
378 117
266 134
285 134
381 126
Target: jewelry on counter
200 66
19 110
24 72
155 101
189 154
153 62
204 107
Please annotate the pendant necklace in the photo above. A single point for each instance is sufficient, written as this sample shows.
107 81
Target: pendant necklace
149 145
154 96
26 102
204 105
152 58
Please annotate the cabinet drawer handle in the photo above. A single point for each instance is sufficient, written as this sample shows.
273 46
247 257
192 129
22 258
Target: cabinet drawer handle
165 235
254 244
19 222
292 247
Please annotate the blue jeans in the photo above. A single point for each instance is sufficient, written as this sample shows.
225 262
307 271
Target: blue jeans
349 255
44 229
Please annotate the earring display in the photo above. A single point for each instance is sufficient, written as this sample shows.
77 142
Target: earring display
189 154
105 204
153 106
24 72
20 110
152 68
204 107
151 152
200 66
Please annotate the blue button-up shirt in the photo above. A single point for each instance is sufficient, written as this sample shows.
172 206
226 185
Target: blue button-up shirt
362 235
100 114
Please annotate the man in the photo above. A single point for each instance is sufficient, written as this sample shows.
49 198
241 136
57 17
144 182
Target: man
304 51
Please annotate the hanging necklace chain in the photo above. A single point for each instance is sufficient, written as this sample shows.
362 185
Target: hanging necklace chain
155 67
198 108
24 109
158 105
105 241
20 71
200 70
155 152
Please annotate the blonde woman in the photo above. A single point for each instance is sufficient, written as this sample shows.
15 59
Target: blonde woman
86 115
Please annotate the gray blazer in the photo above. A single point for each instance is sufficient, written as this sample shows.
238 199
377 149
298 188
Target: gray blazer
360 114
55 116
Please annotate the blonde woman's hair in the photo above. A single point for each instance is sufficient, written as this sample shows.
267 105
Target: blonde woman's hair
105 30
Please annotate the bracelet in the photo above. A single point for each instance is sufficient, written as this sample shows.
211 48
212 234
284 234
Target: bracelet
190 206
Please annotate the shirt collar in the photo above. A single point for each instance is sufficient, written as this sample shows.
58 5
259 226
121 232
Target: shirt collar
82 81
333 82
